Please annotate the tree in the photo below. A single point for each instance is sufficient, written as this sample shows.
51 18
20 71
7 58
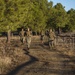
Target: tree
61 18
71 24
50 15
15 14
2 9
39 15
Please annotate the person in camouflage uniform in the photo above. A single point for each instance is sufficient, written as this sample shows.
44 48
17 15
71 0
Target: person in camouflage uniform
22 33
51 38
28 38
42 36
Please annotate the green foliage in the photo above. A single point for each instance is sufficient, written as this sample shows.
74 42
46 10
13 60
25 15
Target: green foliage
23 13
2 9
71 23
36 14
57 16
61 18
39 21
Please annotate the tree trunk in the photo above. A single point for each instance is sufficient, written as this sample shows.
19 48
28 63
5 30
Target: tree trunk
8 36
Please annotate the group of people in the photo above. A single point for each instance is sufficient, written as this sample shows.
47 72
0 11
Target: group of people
28 35
51 37
50 34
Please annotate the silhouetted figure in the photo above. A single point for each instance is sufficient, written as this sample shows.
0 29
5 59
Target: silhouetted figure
42 36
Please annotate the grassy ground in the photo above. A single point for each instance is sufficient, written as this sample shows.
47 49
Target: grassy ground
39 60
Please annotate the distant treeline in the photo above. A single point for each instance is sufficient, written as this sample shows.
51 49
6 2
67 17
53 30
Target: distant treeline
36 14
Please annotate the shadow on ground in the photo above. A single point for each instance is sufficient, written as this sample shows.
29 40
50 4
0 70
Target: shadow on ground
18 68
50 70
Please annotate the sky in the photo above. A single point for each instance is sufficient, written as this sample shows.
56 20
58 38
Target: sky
67 3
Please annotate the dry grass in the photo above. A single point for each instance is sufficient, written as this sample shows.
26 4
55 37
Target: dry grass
4 63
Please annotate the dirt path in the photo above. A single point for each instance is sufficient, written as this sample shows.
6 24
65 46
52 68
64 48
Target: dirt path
43 61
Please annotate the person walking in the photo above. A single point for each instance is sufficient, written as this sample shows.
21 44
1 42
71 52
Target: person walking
51 38
22 35
28 38
42 36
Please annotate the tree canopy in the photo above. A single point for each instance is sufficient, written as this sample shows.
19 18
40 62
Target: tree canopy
36 14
